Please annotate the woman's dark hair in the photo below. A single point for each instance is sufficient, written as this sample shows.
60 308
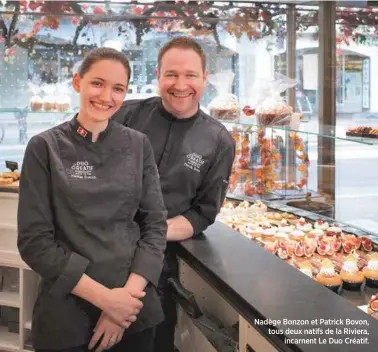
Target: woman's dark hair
100 54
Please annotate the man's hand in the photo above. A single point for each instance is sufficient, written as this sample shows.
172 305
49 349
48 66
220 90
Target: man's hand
121 306
179 229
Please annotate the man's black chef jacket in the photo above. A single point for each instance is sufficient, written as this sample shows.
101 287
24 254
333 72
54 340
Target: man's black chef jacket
93 208
194 158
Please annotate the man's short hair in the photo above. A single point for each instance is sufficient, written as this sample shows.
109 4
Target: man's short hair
183 43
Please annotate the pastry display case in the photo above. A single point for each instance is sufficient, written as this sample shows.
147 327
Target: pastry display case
336 255
271 162
337 249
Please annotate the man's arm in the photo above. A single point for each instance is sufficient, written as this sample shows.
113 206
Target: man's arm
179 228
210 196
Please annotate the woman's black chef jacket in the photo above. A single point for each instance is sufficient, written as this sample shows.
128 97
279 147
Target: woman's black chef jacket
93 208
194 158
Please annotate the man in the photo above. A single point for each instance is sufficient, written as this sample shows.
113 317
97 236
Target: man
193 152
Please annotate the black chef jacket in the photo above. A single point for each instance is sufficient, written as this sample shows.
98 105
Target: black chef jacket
194 157
93 208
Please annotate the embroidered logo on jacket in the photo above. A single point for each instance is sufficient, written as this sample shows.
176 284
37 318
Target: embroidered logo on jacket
82 170
194 162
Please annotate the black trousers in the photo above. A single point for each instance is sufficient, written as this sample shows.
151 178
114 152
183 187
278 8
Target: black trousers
165 331
138 342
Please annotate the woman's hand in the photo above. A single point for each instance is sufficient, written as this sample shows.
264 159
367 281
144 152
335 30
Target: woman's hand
109 332
122 306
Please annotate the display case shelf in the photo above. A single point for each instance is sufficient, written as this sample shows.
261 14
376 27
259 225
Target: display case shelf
27 111
12 259
10 299
9 341
22 300
327 132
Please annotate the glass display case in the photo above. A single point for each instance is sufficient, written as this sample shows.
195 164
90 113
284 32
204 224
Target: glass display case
270 163
281 165
338 249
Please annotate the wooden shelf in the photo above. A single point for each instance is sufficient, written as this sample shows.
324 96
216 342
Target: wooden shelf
12 188
9 341
9 299
12 259
8 227
22 300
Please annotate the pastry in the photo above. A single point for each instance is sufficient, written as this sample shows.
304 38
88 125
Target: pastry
280 115
282 253
350 242
281 235
322 225
316 233
297 235
243 205
11 174
225 108
334 231
49 103
360 131
259 208
306 268
371 270
271 247
291 218
265 224
268 234
303 225
328 276
350 274
63 103
259 221
6 180
373 133
254 232
285 227
274 218
36 103
366 243
373 306
227 209
309 246
242 209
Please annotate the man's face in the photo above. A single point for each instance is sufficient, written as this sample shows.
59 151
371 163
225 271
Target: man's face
102 90
181 81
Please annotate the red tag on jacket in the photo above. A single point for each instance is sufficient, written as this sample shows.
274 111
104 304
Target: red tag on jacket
82 131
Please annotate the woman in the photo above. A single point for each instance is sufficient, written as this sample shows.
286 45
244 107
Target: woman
92 223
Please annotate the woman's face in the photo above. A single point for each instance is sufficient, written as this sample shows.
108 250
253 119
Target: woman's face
102 90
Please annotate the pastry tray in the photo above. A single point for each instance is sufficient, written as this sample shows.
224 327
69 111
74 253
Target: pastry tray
359 297
11 188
